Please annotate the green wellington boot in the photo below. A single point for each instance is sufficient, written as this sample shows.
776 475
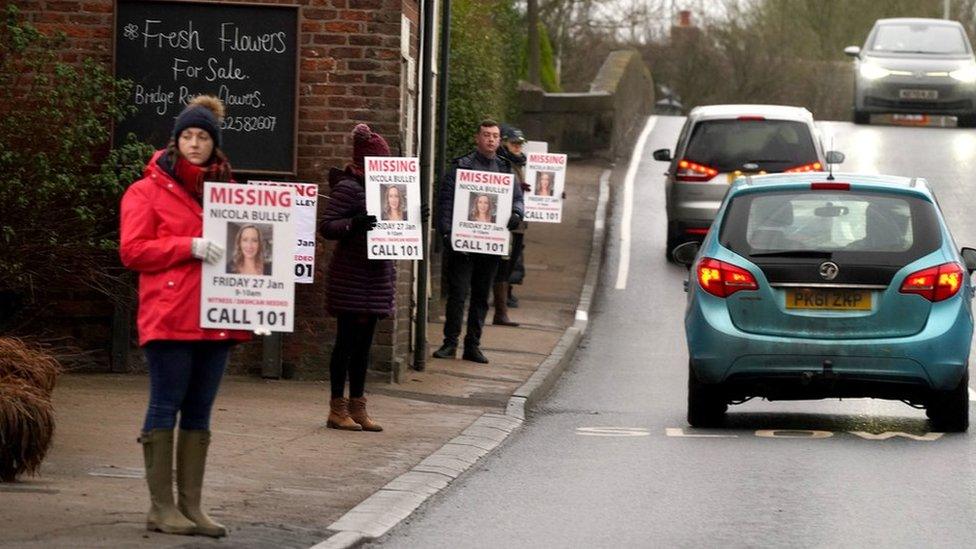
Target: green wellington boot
191 460
157 449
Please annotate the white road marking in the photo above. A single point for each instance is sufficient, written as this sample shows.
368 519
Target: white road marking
679 432
581 315
601 205
972 394
624 267
612 432
928 437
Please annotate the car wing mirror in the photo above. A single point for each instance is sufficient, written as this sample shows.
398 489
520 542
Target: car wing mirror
969 258
686 253
852 51
835 157
662 155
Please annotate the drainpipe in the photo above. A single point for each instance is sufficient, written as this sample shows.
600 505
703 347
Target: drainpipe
426 125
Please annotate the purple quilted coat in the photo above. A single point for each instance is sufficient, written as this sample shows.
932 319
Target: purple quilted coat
355 284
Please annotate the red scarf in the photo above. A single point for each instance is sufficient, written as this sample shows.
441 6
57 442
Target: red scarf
192 176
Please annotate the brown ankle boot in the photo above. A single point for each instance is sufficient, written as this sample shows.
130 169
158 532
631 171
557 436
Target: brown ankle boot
339 416
357 411
501 305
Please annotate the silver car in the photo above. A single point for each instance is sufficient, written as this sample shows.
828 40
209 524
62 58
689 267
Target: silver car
719 143
915 66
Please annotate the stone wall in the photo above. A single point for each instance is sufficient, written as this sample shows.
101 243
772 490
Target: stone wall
603 122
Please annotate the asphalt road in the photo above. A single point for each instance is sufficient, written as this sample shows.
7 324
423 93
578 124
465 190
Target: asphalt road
608 460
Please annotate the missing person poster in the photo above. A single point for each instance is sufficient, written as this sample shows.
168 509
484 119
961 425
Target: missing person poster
546 175
393 196
253 287
305 211
482 206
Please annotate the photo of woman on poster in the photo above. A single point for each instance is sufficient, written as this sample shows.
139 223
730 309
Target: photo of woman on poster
544 183
482 208
248 256
394 203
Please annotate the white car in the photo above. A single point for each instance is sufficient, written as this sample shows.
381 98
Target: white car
719 143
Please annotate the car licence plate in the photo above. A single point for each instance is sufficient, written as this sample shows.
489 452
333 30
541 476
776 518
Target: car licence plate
918 94
824 299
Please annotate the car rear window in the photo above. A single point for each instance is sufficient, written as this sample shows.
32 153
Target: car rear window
872 225
773 145
919 38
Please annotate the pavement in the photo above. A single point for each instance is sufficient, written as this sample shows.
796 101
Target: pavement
276 476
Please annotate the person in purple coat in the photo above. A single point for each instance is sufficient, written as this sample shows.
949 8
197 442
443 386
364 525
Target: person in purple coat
359 291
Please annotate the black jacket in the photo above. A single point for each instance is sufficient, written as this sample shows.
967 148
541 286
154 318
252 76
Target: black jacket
471 161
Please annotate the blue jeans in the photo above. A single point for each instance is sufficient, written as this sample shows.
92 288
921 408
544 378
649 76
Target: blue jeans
183 377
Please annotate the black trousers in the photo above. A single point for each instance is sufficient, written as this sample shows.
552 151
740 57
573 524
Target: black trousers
350 355
468 274
509 270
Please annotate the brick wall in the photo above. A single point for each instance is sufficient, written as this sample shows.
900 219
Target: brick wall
351 71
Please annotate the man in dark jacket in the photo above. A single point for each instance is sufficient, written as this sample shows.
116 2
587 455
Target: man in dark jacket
471 272
511 269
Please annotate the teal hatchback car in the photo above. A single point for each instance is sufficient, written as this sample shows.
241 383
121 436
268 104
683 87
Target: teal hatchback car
812 286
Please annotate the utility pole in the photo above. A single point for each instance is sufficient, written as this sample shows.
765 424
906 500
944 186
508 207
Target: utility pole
533 53
426 127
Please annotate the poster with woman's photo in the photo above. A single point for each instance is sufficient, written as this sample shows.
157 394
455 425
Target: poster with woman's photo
546 175
305 211
253 287
393 196
482 206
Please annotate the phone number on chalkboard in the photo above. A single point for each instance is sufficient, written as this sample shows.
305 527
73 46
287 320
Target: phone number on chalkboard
249 123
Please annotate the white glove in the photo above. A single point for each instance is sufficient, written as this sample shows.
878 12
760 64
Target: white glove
206 250
262 332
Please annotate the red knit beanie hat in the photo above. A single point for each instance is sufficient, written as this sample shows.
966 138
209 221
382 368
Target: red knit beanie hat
367 143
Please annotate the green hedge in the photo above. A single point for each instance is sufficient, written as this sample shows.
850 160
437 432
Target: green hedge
61 183
485 36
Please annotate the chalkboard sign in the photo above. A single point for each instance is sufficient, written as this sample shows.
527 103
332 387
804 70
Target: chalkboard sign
246 54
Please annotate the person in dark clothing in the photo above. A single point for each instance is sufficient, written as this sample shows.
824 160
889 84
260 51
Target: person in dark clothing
471 273
359 290
511 150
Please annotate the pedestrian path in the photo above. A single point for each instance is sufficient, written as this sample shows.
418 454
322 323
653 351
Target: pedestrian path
276 476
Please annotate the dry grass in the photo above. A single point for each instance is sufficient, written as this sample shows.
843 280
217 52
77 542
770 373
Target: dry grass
26 428
27 377
33 366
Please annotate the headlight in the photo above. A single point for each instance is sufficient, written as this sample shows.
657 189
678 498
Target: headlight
870 71
966 74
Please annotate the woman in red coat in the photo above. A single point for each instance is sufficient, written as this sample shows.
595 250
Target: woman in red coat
160 238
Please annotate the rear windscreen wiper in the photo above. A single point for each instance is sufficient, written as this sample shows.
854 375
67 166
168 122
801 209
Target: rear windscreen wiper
794 253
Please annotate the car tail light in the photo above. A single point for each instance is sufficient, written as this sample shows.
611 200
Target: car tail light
723 279
830 186
752 118
696 231
935 283
811 167
692 171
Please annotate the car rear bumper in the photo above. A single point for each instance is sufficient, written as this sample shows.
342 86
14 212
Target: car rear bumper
696 204
934 358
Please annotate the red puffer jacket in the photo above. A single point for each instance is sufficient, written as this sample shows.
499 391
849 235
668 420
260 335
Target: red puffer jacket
159 220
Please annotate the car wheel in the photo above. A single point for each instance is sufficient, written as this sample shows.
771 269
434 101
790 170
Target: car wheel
861 117
966 121
706 405
672 242
949 410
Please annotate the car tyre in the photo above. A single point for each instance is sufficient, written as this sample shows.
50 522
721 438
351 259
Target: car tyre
861 117
672 240
706 405
949 410
966 121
